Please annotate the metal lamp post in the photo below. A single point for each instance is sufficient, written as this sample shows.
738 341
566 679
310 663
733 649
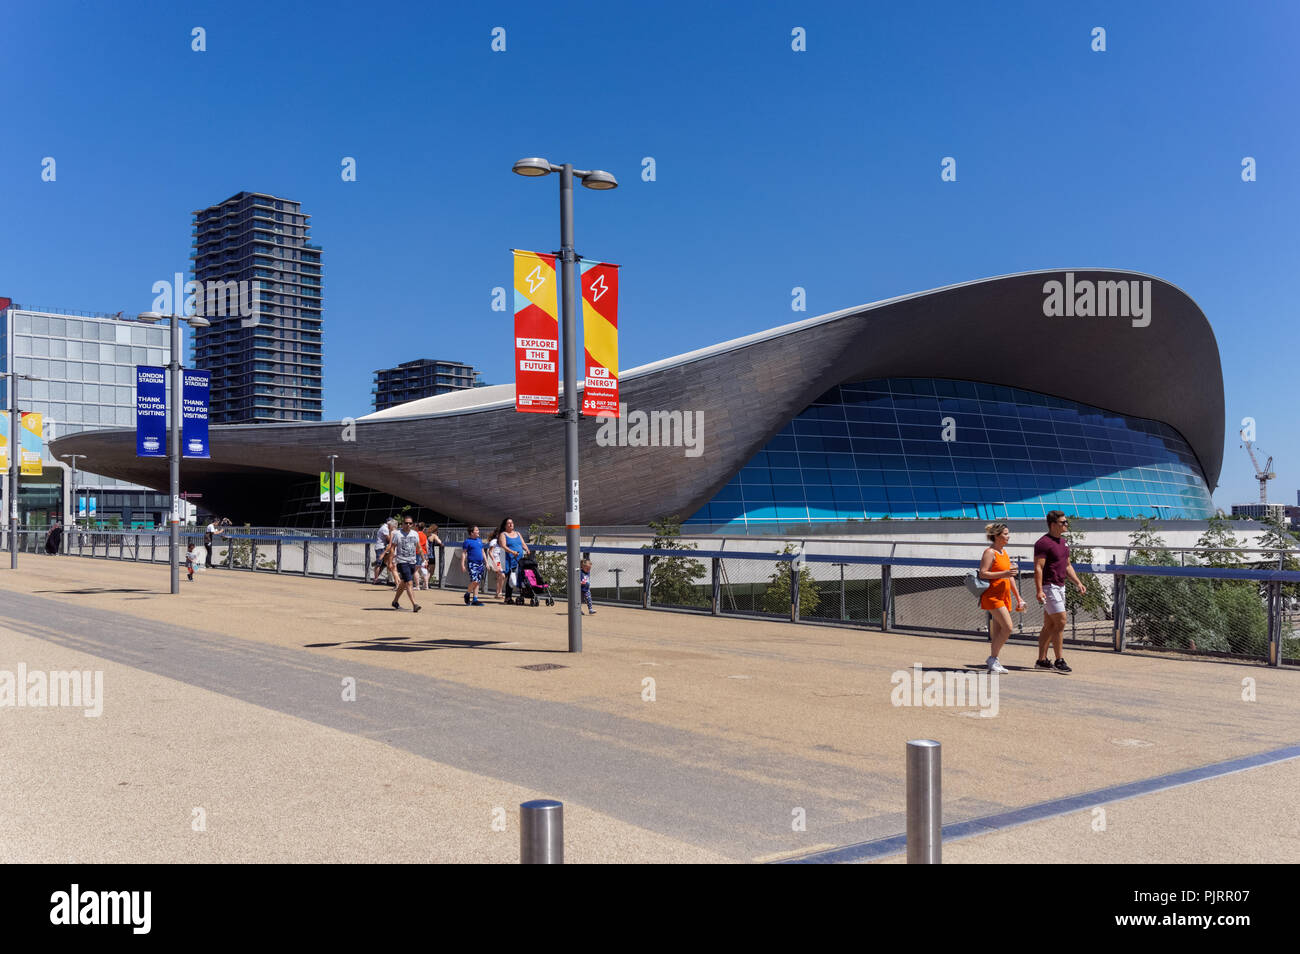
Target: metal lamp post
15 453
592 179
174 434
333 458
67 542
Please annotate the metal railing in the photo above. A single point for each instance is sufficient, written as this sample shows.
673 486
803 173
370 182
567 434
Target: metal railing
1250 613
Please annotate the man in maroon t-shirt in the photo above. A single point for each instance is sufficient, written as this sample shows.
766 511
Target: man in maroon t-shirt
1051 570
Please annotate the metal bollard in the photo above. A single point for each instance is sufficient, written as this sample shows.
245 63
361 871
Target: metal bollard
541 832
924 803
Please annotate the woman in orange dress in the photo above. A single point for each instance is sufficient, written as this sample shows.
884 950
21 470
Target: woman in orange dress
996 567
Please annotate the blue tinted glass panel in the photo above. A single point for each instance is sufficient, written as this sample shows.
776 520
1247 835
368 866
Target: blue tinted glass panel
874 448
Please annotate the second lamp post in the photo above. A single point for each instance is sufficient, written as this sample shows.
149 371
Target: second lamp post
174 434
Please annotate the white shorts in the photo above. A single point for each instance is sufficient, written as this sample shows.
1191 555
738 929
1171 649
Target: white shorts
1055 599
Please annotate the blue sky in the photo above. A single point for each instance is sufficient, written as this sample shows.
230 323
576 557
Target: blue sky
774 169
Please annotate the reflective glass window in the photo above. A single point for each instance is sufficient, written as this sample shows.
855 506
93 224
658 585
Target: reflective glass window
874 448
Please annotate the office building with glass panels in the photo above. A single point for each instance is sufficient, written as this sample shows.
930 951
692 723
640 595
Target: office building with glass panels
973 400
266 365
83 366
425 377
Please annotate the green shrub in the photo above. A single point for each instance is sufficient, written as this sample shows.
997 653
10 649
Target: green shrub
673 579
776 598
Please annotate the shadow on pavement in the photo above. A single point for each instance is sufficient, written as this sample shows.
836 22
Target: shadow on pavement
93 591
403 644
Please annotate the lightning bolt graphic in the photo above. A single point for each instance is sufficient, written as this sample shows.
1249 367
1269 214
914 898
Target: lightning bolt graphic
535 279
598 288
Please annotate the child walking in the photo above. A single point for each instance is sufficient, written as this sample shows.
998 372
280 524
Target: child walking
189 562
586 587
472 563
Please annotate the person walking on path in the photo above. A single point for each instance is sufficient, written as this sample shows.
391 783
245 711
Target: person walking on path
471 562
996 567
496 562
189 562
210 533
1051 569
404 554
514 549
433 541
422 564
586 587
382 538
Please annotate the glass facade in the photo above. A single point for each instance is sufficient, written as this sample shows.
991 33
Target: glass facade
85 367
877 449
85 370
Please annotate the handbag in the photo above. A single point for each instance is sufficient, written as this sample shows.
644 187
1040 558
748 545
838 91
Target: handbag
974 583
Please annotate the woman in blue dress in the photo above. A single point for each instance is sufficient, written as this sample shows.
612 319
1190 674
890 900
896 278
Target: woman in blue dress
513 546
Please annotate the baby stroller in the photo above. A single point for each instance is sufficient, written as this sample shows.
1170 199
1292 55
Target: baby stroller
531 585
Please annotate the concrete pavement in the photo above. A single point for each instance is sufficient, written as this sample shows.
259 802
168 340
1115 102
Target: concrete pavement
746 728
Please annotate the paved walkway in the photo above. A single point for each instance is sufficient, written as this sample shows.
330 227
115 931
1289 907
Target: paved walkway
229 698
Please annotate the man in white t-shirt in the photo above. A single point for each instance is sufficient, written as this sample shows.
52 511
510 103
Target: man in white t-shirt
211 531
382 537
404 556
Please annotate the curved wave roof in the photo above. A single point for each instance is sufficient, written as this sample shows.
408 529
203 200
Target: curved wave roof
470 455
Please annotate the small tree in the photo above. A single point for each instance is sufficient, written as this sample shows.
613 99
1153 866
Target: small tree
241 552
552 564
1219 547
1282 543
1170 611
672 579
776 598
1239 602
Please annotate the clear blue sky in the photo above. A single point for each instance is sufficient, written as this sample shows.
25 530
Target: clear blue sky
774 168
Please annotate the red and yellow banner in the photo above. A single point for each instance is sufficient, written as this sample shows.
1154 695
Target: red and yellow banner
600 334
537 334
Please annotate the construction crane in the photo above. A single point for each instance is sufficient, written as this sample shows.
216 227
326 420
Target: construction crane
1263 476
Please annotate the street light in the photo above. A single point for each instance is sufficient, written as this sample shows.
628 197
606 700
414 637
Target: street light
174 439
15 452
333 458
66 536
592 179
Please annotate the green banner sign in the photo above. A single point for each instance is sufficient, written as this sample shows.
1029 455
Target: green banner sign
325 486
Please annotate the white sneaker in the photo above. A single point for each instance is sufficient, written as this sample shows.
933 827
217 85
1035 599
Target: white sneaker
995 666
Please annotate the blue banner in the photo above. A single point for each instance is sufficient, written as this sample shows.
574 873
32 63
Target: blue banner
194 412
150 412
